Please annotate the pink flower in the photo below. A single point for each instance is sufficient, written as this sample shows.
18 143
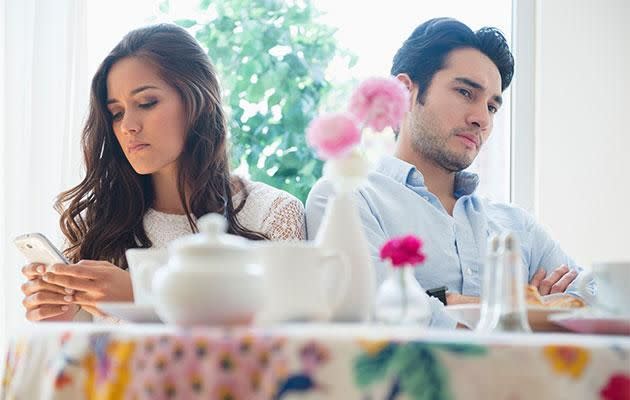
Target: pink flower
333 135
618 388
404 250
380 102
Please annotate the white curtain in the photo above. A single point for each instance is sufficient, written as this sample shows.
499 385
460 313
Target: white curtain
44 90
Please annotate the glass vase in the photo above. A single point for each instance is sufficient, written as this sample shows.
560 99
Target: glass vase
400 300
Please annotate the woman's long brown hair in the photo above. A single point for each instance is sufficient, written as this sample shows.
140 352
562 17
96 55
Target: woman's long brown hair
102 216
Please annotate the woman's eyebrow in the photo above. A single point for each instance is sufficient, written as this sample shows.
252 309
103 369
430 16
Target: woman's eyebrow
134 92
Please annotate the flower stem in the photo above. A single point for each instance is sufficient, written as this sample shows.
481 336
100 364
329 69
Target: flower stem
403 287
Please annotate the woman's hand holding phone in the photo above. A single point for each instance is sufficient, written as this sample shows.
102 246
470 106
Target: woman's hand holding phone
55 290
91 282
43 300
54 293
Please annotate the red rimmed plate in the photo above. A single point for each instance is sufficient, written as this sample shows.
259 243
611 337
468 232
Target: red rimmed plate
593 321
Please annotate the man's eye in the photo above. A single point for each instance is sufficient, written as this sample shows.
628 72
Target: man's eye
465 93
493 109
148 104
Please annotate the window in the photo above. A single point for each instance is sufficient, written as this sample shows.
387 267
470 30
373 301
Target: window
372 34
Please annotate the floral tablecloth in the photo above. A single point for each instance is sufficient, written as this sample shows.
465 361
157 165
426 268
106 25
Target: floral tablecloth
89 361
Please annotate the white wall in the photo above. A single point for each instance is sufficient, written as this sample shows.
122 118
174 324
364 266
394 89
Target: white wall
583 126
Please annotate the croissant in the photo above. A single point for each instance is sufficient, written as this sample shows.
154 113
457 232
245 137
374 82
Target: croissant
565 301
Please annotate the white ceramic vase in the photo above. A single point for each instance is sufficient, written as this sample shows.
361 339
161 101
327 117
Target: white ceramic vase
342 231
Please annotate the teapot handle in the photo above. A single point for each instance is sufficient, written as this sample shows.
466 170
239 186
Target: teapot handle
335 261
146 273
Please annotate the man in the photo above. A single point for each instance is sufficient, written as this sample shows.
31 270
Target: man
455 78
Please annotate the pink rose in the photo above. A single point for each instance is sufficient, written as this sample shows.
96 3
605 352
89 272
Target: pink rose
333 135
404 250
380 102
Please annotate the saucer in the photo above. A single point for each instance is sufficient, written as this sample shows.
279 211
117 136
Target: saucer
130 312
468 314
592 320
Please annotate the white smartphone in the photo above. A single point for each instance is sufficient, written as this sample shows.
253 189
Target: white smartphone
38 249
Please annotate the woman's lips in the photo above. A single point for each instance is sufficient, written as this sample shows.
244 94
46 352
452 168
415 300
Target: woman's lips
136 147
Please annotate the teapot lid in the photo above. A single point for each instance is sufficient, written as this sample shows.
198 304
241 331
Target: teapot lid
211 239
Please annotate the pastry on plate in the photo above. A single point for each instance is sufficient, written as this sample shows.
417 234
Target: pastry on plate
561 300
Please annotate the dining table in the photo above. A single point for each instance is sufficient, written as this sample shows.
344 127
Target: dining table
308 361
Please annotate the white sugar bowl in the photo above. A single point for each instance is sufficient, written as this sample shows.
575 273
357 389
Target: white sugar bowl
211 278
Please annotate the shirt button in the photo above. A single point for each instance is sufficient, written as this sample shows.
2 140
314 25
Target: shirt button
469 271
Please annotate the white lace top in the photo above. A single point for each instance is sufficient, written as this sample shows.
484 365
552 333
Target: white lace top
267 210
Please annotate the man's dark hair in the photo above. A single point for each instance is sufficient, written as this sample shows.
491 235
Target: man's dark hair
425 51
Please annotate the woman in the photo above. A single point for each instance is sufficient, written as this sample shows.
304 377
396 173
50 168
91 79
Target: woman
155 155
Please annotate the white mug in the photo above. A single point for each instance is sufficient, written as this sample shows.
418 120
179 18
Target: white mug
613 286
303 282
143 263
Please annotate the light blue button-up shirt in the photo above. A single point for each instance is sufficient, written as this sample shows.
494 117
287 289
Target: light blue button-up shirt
395 201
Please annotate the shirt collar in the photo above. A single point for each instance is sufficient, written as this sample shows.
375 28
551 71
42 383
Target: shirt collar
401 171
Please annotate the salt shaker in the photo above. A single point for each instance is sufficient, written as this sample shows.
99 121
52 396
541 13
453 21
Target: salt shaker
490 310
511 284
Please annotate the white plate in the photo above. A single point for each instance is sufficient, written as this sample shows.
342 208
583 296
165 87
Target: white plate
590 320
468 314
130 312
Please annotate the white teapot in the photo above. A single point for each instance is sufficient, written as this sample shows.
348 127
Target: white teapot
211 278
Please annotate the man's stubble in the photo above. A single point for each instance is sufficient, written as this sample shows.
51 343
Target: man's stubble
428 143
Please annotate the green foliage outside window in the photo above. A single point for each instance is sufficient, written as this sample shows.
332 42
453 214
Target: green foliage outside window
271 56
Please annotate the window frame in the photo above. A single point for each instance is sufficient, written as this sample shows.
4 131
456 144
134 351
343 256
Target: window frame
522 113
